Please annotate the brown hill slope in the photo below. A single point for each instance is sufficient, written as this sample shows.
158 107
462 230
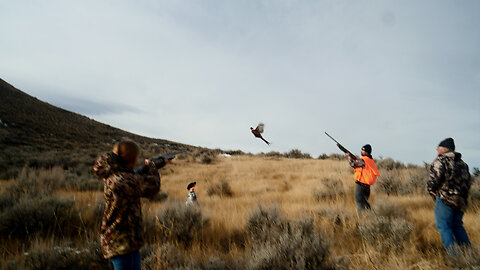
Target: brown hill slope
37 134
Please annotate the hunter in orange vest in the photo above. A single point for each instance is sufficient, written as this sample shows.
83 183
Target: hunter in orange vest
365 175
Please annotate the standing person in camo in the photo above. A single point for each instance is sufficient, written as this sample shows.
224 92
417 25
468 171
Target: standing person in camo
365 175
448 185
122 232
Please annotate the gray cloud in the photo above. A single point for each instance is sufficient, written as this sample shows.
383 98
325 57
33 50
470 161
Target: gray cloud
401 76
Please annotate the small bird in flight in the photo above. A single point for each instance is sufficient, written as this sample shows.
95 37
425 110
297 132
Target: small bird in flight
257 132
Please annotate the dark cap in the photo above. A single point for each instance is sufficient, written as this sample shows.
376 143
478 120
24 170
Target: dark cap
367 148
448 143
191 185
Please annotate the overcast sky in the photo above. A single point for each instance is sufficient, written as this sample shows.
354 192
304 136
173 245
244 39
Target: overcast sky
400 75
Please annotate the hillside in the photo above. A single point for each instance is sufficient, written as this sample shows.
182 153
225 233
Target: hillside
38 134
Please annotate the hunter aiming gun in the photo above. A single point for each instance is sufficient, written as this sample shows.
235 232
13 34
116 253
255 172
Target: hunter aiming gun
342 148
159 160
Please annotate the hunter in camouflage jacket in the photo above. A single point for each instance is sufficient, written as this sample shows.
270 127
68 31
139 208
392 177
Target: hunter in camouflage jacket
450 180
122 230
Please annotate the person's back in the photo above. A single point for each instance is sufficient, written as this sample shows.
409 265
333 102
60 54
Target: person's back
453 179
121 231
448 185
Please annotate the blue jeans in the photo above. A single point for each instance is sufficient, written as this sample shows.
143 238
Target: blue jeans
450 226
130 261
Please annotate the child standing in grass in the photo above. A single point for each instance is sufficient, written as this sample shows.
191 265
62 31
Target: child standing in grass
121 232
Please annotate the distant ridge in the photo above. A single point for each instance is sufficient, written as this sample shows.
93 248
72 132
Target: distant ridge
30 127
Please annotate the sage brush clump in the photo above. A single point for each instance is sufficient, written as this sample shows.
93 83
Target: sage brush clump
277 243
43 216
221 189
332 188
64 257
385 234
181 224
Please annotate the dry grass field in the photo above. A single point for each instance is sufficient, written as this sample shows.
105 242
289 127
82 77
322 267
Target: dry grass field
257 212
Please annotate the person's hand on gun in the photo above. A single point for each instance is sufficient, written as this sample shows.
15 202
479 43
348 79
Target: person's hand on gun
149 161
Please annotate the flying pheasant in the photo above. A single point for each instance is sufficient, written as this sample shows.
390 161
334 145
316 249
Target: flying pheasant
257 132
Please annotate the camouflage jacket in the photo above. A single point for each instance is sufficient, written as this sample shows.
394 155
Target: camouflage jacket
122 230
450 180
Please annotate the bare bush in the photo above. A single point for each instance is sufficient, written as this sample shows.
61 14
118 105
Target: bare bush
264 223
336 156
6 200
159 197
390 209
389 164
418 177
181 224
41 182
203 155
221 189
465 258
385 234
274 154
337 217
31 216
389 183
392 183
65 257
296 153
167 256
281 244
323 156
332 189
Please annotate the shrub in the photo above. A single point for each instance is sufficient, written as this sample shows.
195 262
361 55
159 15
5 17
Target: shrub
282 244
39 216
274 154
465 258
167 256
390 209
332 189
180 223
476 172
208 158
337 217
418 180
66 258
385 234
204 156
336 156
264 223
474 193
295 153
159 197
389 164
215 263
391 182
41 182
234 152
221 189
323 156
6 201
388 183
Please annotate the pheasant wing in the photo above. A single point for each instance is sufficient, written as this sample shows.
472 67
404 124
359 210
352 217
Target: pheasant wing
259 128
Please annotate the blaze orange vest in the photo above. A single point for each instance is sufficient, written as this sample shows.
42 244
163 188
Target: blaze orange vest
367 175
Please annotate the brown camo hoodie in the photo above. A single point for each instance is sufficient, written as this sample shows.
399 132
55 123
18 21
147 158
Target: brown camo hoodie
122 230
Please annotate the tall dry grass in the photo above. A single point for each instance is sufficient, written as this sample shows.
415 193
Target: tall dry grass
257 212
